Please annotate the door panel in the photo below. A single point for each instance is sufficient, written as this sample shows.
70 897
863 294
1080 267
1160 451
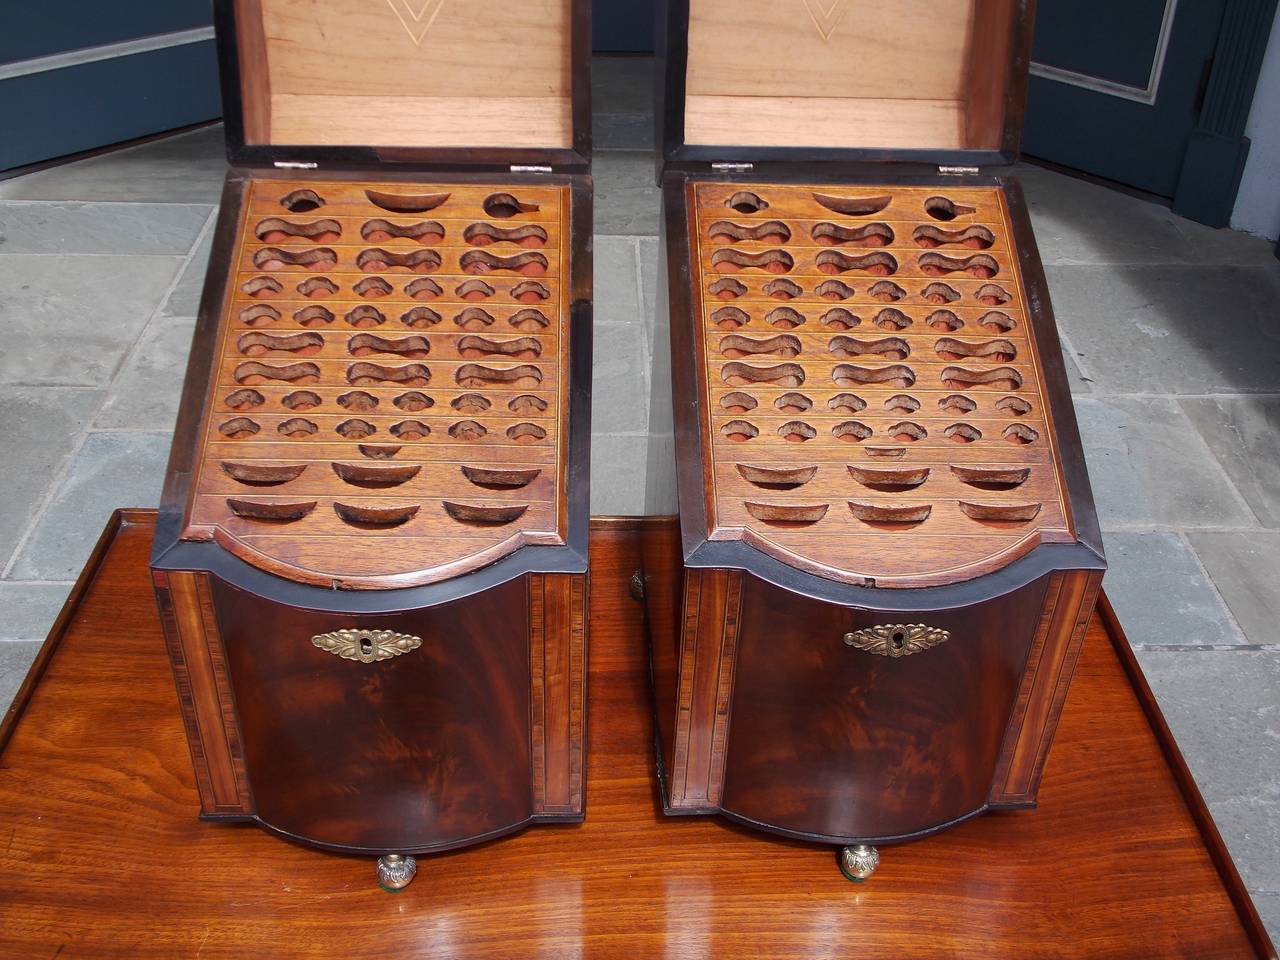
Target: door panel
1116 88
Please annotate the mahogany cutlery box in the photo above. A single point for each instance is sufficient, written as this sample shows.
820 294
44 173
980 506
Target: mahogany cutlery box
371 559
866 626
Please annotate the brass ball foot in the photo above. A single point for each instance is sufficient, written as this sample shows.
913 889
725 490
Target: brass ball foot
395 872
858 862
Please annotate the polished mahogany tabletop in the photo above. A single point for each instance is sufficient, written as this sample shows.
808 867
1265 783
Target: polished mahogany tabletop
101 853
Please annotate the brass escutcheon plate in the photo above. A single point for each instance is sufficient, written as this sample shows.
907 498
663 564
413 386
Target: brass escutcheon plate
367 646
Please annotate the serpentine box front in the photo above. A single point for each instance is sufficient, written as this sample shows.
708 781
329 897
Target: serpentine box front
371 560
888 553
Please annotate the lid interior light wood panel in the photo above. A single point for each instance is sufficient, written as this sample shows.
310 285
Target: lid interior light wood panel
913 74
407 73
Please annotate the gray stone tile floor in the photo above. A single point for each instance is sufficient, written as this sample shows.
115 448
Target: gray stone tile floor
1171 330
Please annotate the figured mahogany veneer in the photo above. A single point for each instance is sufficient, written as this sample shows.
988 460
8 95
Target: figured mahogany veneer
868 367
344 333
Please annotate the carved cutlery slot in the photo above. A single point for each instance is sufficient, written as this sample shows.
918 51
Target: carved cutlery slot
889 478
783 289
907 432
238 428
979 265
877 264
259 314
785 318
1015 406
793 403
262 287
373 288
378 260
890 512
527 405
771 231
274 259
363 515
840 318
771 261
740 430
1020 433
902 403
521 348
1006 512
526 433
276 230
365 316
957 403
796 514
357 401
891 318
383 231
474 375
474 318
738 402
413 402
529 291
776 478
301 400
424 288
885 453
796 431
367 475
998 351
1000 378
297 428
847 402
302 201
372 374
364 344
486 234
962 433
739 374
316 287
501 478
262 344
726 288
746 202
993 295
420 318
263 474
942 208
730 318
480 261
470 403
834 290
851 431
944 320
895 376
529 320
270 510
355 429
410 430
783 345
997 322
868 235
254 373
886 291
313 316
975 237
504 206
991 478
888 348
853 206
377 451
939 293
406 203
485 514
244 399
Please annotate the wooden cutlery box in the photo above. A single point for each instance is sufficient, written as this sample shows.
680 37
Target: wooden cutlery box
887 555
371 560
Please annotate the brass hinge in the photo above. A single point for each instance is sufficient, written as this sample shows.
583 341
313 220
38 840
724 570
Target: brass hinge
294 165
958 171
732 167
530 168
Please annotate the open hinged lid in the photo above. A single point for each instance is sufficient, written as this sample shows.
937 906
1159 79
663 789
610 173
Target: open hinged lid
934 81
423 82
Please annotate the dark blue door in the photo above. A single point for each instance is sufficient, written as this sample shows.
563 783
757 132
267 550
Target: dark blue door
81 74
623 26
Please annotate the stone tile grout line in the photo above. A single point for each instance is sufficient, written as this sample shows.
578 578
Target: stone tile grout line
64 468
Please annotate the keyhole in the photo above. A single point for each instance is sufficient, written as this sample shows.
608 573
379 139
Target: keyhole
899 638
366 646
